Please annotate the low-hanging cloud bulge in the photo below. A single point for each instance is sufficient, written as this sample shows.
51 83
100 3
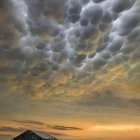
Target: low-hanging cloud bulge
11 129
29 122
59 127
69 48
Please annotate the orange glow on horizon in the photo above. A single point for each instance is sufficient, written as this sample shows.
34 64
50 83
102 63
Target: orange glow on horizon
115 127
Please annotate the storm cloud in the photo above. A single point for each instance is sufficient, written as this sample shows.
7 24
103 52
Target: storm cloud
68 52
47 53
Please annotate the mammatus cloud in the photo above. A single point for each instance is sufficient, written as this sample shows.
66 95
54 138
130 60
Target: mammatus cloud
59 127
90 60
93 46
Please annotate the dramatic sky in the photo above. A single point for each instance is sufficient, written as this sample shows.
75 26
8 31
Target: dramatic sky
70 68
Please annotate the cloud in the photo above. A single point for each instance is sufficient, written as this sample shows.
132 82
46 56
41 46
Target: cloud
105 99
90 48
79 50
69 55
11 129
59 127
29 122
5 137
57 134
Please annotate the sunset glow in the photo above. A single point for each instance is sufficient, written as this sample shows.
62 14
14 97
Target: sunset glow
70 68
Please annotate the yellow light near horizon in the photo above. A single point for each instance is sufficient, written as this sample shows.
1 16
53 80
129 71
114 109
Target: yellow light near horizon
115 128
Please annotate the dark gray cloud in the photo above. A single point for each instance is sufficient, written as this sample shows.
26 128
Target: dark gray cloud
60 127
97 1
136 102
67 51
73 11
70 55
57 46
119 5
93 13
29 122
10 129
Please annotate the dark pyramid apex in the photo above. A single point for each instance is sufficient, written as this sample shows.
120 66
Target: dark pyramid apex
32 134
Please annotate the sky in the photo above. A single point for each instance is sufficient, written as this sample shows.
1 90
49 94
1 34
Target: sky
70 68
